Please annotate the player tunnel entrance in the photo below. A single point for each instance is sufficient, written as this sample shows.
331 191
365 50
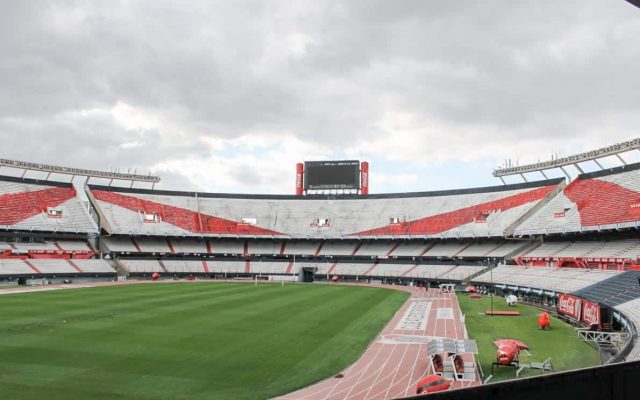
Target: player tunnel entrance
307 274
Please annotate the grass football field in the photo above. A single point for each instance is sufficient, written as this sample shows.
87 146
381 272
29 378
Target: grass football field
561 343
184 340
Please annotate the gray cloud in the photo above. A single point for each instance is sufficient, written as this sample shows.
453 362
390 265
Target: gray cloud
324 71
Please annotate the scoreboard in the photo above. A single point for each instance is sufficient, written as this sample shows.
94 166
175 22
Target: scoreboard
332 177
327 175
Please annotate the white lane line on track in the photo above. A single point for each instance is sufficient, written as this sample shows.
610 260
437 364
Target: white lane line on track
380 371
352 371
394 378
366 367
375 371
432 330
406 349
439 303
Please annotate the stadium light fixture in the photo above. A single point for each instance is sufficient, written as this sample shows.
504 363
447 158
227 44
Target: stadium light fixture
88 173
574 160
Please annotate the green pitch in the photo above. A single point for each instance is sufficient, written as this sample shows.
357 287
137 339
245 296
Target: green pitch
185 340
561 343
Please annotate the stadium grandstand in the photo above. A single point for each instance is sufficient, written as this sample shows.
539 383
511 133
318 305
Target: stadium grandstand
550 243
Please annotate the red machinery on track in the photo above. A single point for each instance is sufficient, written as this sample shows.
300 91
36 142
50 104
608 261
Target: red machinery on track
432 384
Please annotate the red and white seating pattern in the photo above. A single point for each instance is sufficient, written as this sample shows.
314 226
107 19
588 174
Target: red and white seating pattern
37 206
481 213
590 203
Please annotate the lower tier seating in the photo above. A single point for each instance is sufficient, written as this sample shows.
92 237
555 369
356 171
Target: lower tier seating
619 249
356 248
58 248
48 267
618 289
563 280
631 309
364 270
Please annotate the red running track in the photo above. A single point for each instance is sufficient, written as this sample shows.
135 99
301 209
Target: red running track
395 361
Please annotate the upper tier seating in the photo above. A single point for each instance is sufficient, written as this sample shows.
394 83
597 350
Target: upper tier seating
601 200
464 213
618 289
563 280
30 205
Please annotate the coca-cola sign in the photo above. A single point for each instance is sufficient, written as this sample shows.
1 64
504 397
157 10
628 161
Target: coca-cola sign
569 306
299 180
590 313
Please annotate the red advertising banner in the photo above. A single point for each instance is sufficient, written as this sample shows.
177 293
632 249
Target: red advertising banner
569 306
590 313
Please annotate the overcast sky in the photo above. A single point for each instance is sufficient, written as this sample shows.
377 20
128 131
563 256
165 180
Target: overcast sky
227 96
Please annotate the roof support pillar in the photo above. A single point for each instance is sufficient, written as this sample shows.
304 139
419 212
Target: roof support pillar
598 163
578 168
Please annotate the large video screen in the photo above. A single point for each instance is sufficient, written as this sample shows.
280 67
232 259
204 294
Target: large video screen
332 175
